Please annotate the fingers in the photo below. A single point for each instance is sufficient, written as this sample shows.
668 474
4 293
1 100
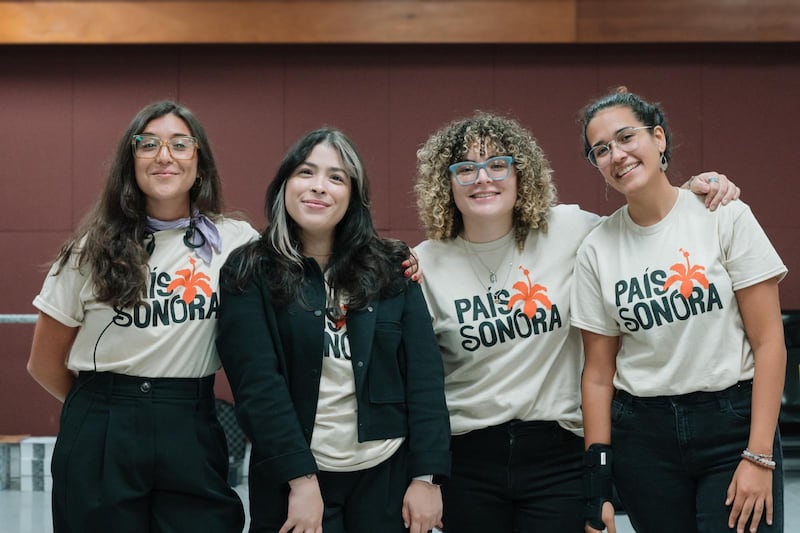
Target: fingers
758 511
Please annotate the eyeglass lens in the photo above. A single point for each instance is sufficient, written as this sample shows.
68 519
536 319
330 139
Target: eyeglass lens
148 146
626 140
497 168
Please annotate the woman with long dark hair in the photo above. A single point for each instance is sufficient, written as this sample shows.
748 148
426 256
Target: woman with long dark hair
332 360
125 338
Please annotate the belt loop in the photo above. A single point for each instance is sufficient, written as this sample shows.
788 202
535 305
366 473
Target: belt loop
722 396
625 398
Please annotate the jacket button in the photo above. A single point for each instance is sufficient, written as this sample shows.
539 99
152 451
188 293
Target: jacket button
369 308
317 313
145 387
360 364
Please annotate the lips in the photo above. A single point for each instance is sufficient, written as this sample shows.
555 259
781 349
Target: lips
624 170
314 203
483 194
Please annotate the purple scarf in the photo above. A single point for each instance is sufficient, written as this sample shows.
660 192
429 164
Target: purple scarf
201 236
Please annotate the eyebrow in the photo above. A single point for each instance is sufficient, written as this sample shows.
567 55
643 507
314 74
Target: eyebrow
171 137
623 128
334 169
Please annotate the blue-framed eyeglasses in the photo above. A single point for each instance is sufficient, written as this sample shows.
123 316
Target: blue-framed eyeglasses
497 168
625 140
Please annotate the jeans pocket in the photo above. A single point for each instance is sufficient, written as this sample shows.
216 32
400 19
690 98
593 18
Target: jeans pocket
617 411
739 407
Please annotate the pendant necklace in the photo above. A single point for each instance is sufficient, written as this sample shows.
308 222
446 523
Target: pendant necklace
492 272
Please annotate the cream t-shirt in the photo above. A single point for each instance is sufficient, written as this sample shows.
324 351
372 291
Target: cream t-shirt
669 291
515 357
171 334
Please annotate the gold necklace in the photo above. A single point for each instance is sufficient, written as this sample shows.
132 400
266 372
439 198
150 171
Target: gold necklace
492 273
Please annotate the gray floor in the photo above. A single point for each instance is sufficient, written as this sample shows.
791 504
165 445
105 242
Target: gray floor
29 512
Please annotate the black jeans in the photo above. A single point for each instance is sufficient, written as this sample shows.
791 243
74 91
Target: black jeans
674 457
138 455
362 501
520 477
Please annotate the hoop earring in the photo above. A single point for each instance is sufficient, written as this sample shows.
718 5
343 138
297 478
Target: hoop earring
664 163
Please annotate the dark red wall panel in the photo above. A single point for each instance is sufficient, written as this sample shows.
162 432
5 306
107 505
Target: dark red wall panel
732 108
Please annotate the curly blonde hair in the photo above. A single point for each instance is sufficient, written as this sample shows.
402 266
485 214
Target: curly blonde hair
536 192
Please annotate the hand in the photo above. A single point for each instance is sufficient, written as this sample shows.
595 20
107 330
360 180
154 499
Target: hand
750 493
717 188
305 506
412 267
608 520
422 507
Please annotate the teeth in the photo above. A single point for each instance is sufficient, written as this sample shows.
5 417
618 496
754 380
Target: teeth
483 195
627 169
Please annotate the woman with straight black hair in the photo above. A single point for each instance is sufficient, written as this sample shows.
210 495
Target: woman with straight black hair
332 360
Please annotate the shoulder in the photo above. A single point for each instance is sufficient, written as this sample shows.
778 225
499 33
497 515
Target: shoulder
695 204
570 217
235 232
431 248
605 229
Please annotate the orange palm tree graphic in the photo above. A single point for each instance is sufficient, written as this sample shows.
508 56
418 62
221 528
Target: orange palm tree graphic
686 275
190 281
531 294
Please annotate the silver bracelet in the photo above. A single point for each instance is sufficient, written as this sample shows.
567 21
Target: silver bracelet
759 459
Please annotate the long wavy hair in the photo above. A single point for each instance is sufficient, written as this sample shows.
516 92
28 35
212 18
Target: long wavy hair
109 242
363 266
536 192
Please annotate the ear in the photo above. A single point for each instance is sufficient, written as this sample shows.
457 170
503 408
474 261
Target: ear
661 138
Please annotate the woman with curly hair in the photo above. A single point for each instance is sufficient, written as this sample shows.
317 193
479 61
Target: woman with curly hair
498 268
332 360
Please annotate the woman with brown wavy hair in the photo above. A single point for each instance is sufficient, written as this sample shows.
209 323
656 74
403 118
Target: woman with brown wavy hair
125 338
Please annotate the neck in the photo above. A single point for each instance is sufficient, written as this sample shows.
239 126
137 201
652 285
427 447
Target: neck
168 211
650 206
486 230
319 249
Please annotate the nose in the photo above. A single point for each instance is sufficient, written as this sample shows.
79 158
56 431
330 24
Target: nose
486 178
616 151
318 183
163 155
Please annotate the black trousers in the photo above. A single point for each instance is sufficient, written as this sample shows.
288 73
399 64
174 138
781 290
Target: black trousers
363 501
142 455
517 477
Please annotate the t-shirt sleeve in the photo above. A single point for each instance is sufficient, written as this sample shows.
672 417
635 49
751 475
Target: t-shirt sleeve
586 298
60 296
749 256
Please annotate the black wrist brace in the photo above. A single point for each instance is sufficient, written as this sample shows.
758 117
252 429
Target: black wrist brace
597 482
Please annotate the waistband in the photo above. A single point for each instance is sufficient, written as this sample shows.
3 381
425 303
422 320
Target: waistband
735 390
112 383
512 427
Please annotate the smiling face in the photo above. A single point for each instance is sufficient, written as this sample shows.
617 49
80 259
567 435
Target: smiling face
164 180
317 194
485 202
632 170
